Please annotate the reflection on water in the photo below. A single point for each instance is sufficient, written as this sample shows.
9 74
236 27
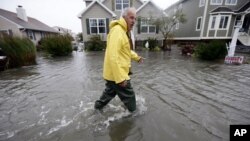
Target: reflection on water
178 98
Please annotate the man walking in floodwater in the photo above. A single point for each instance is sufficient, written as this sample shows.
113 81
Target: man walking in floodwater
117 62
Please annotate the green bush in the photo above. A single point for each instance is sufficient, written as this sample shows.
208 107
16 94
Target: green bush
20 51
157 48
211 51
57 45
95 44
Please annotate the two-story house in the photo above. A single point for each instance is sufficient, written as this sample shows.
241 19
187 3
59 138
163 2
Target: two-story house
212 19
95 18
19 24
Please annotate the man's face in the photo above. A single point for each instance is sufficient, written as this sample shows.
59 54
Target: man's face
130 19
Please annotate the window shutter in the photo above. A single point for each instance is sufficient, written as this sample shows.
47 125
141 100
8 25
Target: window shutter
27 33
113 5
87 26
107 25
34 34
139 25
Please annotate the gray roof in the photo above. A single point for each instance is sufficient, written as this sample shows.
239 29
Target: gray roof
226 9
32 23
222 9
244 7
91 4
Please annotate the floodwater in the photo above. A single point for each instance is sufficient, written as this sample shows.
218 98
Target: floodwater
178 98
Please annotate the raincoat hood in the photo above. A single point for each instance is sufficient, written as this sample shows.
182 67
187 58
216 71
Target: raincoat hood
120 22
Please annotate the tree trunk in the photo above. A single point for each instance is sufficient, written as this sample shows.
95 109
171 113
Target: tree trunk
166 45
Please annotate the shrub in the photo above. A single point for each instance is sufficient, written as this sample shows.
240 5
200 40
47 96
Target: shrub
152 43
57 45
157 48
95 44
211 51
20 51
187 48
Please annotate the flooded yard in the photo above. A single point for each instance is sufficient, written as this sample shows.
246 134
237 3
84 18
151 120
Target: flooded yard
178 98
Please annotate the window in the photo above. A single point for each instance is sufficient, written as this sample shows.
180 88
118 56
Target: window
202 3
216 2
146 27
42 34
31 35
7 32
223 22
213 22
220 22
121 4
198 23
231 2
97 26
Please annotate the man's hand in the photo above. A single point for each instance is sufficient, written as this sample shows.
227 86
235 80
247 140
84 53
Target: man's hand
123 83
141 60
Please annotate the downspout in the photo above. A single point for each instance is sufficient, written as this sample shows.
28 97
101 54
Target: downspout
204 19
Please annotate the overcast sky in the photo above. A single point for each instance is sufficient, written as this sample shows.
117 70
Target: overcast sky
61 13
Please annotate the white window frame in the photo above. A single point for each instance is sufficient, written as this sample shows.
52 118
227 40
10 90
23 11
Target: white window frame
223 24
31 35
146 24
199 19
230 2
122 3
213 21
97 25
217 22
216 2
202 3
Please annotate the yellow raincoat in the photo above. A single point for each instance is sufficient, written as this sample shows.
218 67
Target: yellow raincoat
118 54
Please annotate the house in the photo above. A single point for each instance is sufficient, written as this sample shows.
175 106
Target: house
19 24
95 18
62 31
65 31
212 19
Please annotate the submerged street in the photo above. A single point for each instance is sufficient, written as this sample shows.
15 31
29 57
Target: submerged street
178 98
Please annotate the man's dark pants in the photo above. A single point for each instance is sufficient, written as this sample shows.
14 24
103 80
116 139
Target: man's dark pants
126 94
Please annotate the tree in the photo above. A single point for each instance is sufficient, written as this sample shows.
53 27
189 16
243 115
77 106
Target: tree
166 26
79 36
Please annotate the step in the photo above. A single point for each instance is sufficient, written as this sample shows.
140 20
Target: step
245 40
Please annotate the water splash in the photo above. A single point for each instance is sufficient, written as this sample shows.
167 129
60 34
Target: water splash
102 120
62 124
